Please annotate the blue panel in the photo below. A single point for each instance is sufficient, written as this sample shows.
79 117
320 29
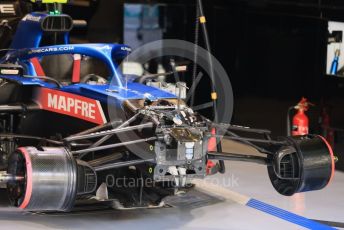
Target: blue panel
285 215
28 81
104 52
133 91
99 92
29 32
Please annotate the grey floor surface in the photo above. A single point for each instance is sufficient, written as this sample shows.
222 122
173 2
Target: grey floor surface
202 210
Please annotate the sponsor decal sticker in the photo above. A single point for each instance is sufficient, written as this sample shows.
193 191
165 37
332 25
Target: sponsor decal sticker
51 49
7 9
9 71
124 48
30 17
71 105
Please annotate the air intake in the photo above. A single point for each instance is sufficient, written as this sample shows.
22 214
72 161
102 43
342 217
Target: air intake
57 23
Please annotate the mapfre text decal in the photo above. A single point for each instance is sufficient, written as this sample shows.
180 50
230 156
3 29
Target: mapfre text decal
70 104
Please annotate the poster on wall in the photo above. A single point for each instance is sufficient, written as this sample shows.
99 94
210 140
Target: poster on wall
335 49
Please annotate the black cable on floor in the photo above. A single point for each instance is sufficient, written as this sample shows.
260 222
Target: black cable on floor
331 223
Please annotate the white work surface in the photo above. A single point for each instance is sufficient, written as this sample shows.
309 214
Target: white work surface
208 207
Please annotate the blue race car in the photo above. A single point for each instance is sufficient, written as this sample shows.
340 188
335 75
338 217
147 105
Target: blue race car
75 130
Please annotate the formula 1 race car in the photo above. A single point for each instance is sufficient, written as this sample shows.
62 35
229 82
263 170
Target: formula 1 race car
60 148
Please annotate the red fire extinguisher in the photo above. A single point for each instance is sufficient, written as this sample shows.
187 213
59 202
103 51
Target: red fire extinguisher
300 120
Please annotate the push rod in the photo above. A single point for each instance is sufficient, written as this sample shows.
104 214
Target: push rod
4 136
237 157
108 132
122 164
263 141
18 108
242 128
104 147
98 128
107 137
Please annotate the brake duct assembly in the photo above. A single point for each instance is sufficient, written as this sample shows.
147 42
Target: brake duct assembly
48 179
307 164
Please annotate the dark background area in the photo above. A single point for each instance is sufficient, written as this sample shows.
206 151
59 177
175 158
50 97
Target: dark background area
262 44
273 50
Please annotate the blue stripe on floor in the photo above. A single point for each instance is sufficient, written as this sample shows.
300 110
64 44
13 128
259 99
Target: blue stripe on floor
285 215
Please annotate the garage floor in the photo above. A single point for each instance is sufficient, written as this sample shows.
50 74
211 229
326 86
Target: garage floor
220 202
